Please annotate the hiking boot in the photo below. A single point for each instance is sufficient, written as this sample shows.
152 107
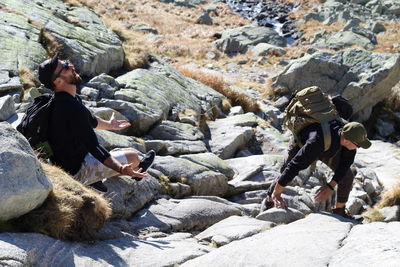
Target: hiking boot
99 186
342 212
266 204
146 162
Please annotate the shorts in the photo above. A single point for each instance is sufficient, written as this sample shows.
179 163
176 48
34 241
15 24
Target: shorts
93 170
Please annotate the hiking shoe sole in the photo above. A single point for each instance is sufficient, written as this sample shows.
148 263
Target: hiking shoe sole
146 162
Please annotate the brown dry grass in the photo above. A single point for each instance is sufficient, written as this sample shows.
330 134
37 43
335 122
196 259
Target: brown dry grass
183 39
70 212
218 83
389 198
311 27
27 78
49 42
387 39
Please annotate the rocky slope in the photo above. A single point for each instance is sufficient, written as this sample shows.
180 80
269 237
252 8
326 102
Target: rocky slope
200 205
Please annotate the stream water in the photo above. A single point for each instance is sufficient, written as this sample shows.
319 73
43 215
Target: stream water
268 14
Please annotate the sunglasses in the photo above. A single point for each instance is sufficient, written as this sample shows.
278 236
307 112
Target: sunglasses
64 66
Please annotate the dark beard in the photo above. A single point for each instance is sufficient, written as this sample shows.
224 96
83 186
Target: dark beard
76 79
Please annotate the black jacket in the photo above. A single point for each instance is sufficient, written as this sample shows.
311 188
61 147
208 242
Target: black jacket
71 134
313 149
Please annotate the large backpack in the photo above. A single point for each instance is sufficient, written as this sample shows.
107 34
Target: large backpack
35 124
307 107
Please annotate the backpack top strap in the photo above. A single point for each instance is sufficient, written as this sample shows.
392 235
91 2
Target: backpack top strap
326 130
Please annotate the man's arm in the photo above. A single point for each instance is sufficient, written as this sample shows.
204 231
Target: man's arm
112 124
310 152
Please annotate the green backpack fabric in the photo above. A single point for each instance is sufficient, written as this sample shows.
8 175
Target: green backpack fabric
308 106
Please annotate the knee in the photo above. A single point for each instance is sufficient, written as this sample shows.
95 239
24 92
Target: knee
132 157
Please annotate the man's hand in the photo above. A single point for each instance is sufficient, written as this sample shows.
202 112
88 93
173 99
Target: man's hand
323 193
128 170
278 201
117 124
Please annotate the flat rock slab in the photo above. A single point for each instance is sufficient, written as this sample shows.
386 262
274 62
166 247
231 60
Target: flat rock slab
233 228
232 133
384 159
374 244
310 241
19 250
196 213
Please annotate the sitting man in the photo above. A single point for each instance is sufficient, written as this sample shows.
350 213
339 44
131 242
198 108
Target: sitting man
72 138
345 139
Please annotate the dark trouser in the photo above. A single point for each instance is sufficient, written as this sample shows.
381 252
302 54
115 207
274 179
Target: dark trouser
344 186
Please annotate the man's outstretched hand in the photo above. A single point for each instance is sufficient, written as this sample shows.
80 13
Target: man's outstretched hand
323 193
128 170
278 201
118 124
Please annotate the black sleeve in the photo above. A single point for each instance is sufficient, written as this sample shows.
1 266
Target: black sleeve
92 119
82 120
312 149
346 159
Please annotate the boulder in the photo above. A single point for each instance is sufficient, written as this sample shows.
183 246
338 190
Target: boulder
202 180
128 196
7 108
233 228
147 96
280 216
343 39
19 46
232 133
80 33
383 158
205 18
24 186
106 85
264 49
313 239
170 130
188 214
373 244
363 77
239 40
391 214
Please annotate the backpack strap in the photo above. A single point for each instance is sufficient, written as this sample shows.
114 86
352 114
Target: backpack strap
326 131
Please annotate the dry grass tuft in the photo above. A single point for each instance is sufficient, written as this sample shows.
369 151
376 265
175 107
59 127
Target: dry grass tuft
390 197
214 81
50 43
27 78
373 215
70 212
135 45
218 83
